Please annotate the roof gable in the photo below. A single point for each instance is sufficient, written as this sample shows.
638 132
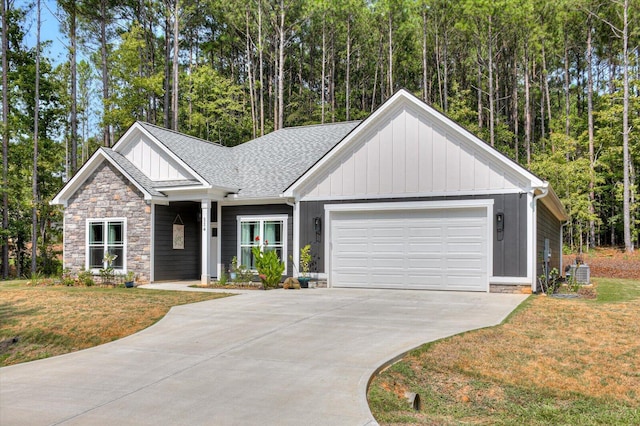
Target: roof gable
407 148
150 155
120 163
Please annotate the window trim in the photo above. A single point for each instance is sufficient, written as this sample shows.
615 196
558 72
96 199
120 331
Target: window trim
105 221
264 218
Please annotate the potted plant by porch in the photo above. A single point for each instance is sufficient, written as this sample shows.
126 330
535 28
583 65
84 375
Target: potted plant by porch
305 263
129 279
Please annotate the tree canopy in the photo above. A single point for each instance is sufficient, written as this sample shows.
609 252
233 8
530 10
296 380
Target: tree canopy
553 85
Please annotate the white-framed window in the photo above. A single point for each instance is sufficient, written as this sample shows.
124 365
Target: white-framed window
106 235
266 232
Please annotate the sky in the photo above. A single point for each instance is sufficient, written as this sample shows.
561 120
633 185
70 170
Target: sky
49 30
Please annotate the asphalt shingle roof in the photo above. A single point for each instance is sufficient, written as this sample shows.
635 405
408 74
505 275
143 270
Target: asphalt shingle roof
209 160
263 167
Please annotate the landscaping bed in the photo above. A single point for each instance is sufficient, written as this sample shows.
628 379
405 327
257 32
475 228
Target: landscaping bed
232 285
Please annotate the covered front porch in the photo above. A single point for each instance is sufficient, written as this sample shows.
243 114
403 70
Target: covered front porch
197 239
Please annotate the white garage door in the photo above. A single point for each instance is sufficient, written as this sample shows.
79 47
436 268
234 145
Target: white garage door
439 249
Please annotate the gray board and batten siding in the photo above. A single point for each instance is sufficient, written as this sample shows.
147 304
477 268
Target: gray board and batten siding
229 228
177 264
548 228
509 254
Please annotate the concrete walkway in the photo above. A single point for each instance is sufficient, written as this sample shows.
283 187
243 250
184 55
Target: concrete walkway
262 358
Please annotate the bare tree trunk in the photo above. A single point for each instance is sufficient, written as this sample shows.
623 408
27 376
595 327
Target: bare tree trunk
514 107
424 54
567 99
542 121
348 70
34 176
275 89
176 75
527 107
479 91
324 61
445 59
250 77
592 176
438 61
167 64
74 84
332 78
545 76
626 161
281 68
491 94
390 92
261 65
375 75
5 141
105 70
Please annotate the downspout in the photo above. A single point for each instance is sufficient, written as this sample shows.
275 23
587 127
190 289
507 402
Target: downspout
544 193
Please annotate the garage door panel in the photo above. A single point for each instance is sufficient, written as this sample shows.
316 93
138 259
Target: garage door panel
426 264
418 249
473 249
385 261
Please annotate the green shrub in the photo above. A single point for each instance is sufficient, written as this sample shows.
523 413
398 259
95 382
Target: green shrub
86 278
305 260
269 266
223 278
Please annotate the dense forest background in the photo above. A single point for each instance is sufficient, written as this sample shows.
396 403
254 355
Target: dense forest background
552 84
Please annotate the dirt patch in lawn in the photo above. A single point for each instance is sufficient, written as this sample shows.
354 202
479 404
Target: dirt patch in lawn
556 361
39 322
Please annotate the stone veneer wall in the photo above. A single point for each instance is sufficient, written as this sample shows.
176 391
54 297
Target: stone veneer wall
107 193
507 288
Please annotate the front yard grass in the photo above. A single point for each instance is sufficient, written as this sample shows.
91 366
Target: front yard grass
39 322
553 361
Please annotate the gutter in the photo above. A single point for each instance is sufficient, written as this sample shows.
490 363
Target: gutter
545 192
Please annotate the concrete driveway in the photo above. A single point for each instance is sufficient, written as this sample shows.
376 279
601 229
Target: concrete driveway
262 358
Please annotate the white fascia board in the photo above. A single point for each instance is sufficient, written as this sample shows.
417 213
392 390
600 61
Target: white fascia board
553 203
85 171
410 205
414 195
404 96
241 201
214 190
125 139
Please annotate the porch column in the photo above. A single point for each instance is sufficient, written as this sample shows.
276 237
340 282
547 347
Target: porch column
206 241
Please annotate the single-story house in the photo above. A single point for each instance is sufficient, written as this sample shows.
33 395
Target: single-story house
405 198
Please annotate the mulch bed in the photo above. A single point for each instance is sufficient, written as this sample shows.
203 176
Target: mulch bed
232 286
